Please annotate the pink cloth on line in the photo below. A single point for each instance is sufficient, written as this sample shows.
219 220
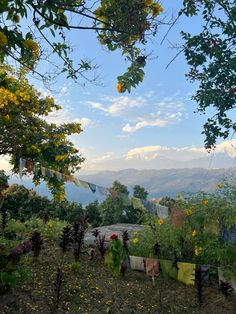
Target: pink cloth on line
152 267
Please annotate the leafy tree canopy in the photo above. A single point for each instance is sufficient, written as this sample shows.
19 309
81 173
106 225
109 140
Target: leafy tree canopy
25 133
212 56
123 25
140 192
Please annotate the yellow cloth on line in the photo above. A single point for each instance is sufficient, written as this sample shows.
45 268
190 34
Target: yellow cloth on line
186 273
84 184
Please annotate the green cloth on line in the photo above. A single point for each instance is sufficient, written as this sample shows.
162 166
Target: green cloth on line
168 269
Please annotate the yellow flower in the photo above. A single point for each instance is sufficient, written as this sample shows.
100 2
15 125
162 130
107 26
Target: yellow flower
160 221
157 9
218 186
148 3
135 240
194 233
3 39
50 224
198 250
189 211
98 12
135 232
60 157
205 202
31 45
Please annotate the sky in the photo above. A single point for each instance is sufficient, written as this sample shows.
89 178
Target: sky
156 119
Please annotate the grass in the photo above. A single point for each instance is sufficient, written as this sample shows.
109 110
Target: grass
92 289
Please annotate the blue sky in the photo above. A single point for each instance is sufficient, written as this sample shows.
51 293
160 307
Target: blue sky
155 119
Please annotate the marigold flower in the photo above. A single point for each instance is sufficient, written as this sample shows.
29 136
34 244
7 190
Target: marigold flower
114 236
205 202
135 240
189 211
194 233
3 39
198 250
160 221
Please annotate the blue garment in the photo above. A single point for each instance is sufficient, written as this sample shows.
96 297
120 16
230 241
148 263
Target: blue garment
92 187
150 206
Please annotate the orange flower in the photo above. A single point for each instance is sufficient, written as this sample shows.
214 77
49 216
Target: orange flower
120 87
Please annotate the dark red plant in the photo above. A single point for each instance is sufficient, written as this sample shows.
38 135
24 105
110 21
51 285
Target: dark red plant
114 236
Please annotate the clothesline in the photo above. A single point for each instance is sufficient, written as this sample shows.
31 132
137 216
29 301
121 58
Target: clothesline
137 203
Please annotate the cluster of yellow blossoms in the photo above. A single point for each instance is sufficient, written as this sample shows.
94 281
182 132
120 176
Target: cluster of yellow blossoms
3 39
30 44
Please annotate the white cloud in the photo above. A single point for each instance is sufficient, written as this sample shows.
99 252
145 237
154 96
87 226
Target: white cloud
66 115
144 151
118 106
141 112
4 163
85 122
180 153
164 157
143 124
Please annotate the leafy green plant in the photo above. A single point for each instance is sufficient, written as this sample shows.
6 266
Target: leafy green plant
4 219
115 255
75 266
141 243
11 268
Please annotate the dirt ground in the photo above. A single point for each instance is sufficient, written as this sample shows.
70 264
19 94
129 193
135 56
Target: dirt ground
92 289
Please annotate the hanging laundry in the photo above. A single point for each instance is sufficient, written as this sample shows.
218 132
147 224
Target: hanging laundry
162 211
92 187
113 193
29 165
125 199
177 218
229 234
37 168
137 203
152 267
68 178
137 263
186 273
84 184
222 279
49 173
43 170
59 176
102 190
22 162
150 206
168 269
75 181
